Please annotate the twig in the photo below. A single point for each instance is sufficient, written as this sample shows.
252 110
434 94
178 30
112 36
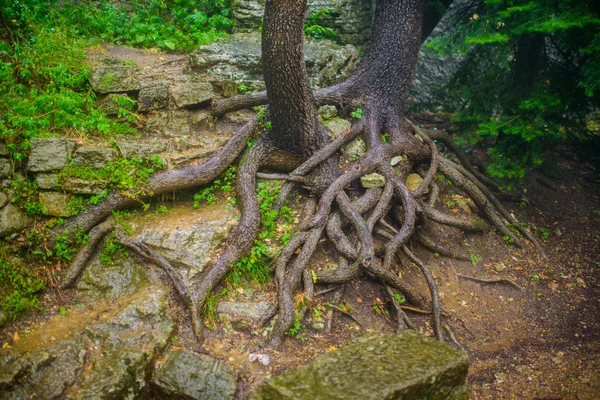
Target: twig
343 312
490 281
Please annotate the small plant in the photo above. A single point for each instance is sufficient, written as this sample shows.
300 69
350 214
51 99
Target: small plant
399 298
357 114
19 286
63 311
508 239
243 89
161 210
314 30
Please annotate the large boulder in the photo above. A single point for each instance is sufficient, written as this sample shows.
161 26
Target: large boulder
238 57
191 94
186 375
94 157
97 351
153 96
406 366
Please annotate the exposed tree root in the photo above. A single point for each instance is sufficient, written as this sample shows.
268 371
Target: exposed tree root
490 281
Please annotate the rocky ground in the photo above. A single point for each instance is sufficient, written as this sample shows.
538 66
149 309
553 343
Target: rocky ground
535 339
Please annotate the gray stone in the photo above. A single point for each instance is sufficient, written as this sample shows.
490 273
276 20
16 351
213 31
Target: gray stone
114 79
185 375
3 199
355 148
434 70
142 149
94 157
499 267
406 366
3 150
179 123
48 154
398 159
351 19
327 112
123 278
157 122
110 104
5 168
413 181
153 96
237 312
12 220
192 94
238 58
47 181
83 186
187 238
372 180
337 126
55 204
94 352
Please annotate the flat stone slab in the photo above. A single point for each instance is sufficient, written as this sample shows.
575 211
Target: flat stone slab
48 154
185 375
114 79
406 366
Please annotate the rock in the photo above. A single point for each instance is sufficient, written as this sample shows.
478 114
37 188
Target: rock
230 88
413 181
48 154
83 186
3 150
3 199
406 366
351 19
238 58
327 112
337 126
264 359
114 79
142 149
372 180
179 123
110 104
185 375
112 281
499 267
5 168
47 181
355 148
99 351
12 220
55 204
433 70
153 96
93 157
243 314
192 94
398 159
186 237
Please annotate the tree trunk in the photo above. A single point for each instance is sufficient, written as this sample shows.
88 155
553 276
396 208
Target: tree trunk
292 106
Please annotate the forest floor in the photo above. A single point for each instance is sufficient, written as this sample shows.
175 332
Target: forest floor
541 341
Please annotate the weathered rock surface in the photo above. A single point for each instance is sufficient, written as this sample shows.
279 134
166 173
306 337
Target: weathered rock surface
48 154
55 204
100 351
243 314
413 181
190 94
327 112
185 375
112 281
186 237
3 199
110 104
406 366
12 220
337 126
238 58
351 19
94 157
114 79
5 168
153 96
